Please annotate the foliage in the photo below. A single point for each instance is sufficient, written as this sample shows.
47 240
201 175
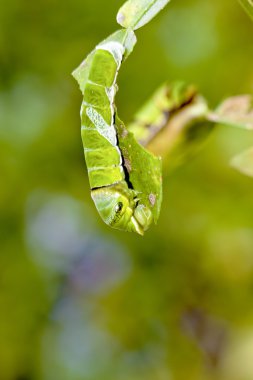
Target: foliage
136 13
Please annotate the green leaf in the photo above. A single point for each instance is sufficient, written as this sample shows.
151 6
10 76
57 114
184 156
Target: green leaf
244 162
153 116
236 111
144 170
81 73
136 13
248 6
126 37
173 123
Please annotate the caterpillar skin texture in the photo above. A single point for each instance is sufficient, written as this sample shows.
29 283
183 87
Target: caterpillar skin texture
115 201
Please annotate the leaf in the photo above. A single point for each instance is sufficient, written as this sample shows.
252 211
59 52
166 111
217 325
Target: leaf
144 170
81 73
173 123
126 37
248 6
154 115
136 13
244 162
236 111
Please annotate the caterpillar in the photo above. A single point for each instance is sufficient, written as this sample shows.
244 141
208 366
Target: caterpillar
125 178
115 198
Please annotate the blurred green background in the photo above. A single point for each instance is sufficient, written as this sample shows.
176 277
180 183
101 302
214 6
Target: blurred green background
78 300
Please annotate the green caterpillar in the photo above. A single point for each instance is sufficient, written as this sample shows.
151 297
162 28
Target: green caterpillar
114 196
125 178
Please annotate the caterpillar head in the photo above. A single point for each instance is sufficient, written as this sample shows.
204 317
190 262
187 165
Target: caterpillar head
119 210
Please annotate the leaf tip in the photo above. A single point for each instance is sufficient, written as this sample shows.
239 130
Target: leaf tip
120 18
243 162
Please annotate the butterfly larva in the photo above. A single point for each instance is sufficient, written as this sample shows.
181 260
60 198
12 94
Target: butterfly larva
115 200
